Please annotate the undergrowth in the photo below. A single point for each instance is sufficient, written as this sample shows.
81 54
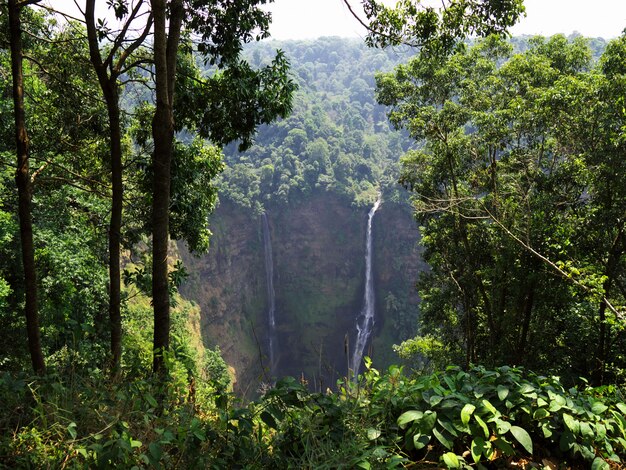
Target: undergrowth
456 419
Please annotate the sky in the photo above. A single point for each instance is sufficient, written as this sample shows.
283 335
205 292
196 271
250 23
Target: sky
306 19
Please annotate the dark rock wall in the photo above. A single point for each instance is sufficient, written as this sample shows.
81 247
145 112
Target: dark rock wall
319 249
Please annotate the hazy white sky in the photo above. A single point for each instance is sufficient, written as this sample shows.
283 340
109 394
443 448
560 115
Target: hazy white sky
305 19
301 19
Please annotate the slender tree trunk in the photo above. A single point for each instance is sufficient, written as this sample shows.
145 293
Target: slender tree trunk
165 52
600 357
115 228
108 72
108 85
602 351
529 300
24 190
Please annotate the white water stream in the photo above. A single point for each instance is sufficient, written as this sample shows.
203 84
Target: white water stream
365 320
271 297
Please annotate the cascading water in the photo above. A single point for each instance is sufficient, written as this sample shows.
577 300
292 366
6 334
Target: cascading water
365 321
271 298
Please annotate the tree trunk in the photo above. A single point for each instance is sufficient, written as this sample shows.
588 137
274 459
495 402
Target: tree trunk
24 190
602 351
529 300
107 78
108 85
165 51
115 227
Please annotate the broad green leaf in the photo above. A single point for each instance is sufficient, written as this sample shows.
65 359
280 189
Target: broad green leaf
466 413
134 443
447 443
571 423
451 460
408 417
621 421
151 400
598 408
541 413
504 446
482 425
545 427
600 464
491 408
435 400
373 434
503 392
448 404
420 441
71 429
364 464
477 448
448 426
427 422
557 402
585 430
522 436
155 451
502 426
449 382
541 402
621 407
587 451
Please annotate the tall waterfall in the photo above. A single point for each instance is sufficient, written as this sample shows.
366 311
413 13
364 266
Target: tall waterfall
365 321
271 298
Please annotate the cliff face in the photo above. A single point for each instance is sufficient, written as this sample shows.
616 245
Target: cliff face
229 286
318 253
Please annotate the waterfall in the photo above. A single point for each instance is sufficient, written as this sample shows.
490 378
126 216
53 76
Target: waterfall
271 298
365 320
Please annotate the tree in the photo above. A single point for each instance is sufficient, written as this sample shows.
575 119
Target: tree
23 182
229 107
108 71
435 29
516 157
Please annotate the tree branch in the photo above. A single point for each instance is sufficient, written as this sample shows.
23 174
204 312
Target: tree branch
619 315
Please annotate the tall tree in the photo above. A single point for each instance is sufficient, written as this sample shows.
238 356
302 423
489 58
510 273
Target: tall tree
228 106
24 187
517 192
165 55
108 70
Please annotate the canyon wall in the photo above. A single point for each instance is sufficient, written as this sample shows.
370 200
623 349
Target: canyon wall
318 249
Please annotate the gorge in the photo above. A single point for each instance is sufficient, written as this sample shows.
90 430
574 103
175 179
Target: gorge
291 255
318 281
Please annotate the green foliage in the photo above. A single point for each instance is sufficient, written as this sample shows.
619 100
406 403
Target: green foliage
436 29
520 220
457 419
492 415
336 139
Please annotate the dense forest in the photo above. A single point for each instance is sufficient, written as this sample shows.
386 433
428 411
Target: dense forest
427 231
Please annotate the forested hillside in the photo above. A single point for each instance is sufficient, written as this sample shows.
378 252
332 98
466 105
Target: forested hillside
337 138
212 246
315 175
